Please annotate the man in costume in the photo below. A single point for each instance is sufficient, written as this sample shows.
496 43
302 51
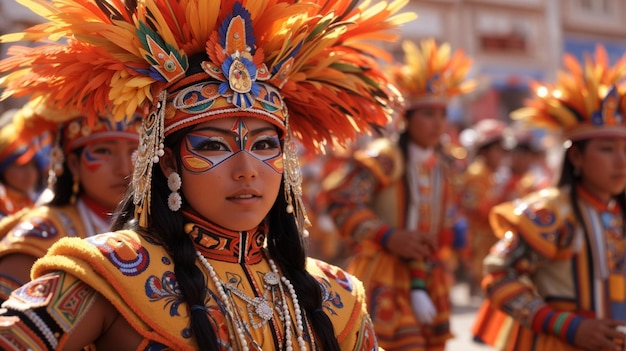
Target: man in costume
396 205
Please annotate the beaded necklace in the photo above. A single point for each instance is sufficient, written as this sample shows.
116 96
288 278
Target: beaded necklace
260 305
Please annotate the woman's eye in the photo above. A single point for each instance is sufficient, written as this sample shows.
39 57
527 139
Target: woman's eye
102 151
606 148
266 144
211 145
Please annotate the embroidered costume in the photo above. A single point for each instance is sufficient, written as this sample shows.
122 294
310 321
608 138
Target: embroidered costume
133 263
575 273
551 268
386 188
32 231
484 186
304 67
372 203
480 182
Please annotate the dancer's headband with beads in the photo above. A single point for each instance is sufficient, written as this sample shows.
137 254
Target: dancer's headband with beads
431 74
82 131
35 119
308 67
588 99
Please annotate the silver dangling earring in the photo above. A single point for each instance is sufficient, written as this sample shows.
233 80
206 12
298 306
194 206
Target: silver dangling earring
174 201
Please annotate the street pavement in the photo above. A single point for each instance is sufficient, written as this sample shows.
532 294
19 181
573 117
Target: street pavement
463 314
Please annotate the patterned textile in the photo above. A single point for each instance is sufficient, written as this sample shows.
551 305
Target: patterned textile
135 273
482 189
539 272
367 207
43 311
32 232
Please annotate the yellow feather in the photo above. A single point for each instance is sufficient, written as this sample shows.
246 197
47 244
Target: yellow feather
40 7
159 22
206 19
561 114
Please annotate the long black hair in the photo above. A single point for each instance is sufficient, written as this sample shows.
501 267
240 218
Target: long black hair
285 246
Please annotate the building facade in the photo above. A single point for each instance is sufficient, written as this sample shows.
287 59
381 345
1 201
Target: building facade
515 41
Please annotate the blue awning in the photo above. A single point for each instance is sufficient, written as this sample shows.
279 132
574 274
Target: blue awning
579 46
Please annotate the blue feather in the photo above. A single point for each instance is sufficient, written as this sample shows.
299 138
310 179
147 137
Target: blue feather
293 53
238 10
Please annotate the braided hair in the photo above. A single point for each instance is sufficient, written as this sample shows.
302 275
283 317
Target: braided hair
285 246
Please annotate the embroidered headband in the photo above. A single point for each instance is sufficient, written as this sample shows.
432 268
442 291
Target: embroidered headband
74 133
78 133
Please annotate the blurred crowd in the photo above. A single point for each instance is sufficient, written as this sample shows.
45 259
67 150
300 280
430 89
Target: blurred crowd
411 207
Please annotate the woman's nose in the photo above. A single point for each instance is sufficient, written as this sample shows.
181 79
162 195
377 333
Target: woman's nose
244 166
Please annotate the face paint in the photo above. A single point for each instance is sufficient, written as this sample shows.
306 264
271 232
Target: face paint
206 148
237 163
94 158
104 170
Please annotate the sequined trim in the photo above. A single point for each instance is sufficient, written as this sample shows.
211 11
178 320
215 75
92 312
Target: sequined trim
15 335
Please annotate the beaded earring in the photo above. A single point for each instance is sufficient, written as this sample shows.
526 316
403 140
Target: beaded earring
293 183
75 189
57 158
174 183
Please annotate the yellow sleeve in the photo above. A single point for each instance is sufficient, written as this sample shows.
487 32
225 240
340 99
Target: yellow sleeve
344 303
41 314
543 220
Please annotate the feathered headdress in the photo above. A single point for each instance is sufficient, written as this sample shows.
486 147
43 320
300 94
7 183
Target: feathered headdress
35 129
306 66
431 73
22 139
586 101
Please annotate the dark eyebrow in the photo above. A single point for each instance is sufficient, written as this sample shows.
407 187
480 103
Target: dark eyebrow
264 129
101 142
213 129
228 131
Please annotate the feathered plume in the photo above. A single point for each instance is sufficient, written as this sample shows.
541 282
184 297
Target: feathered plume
431 73
586 98
98 56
